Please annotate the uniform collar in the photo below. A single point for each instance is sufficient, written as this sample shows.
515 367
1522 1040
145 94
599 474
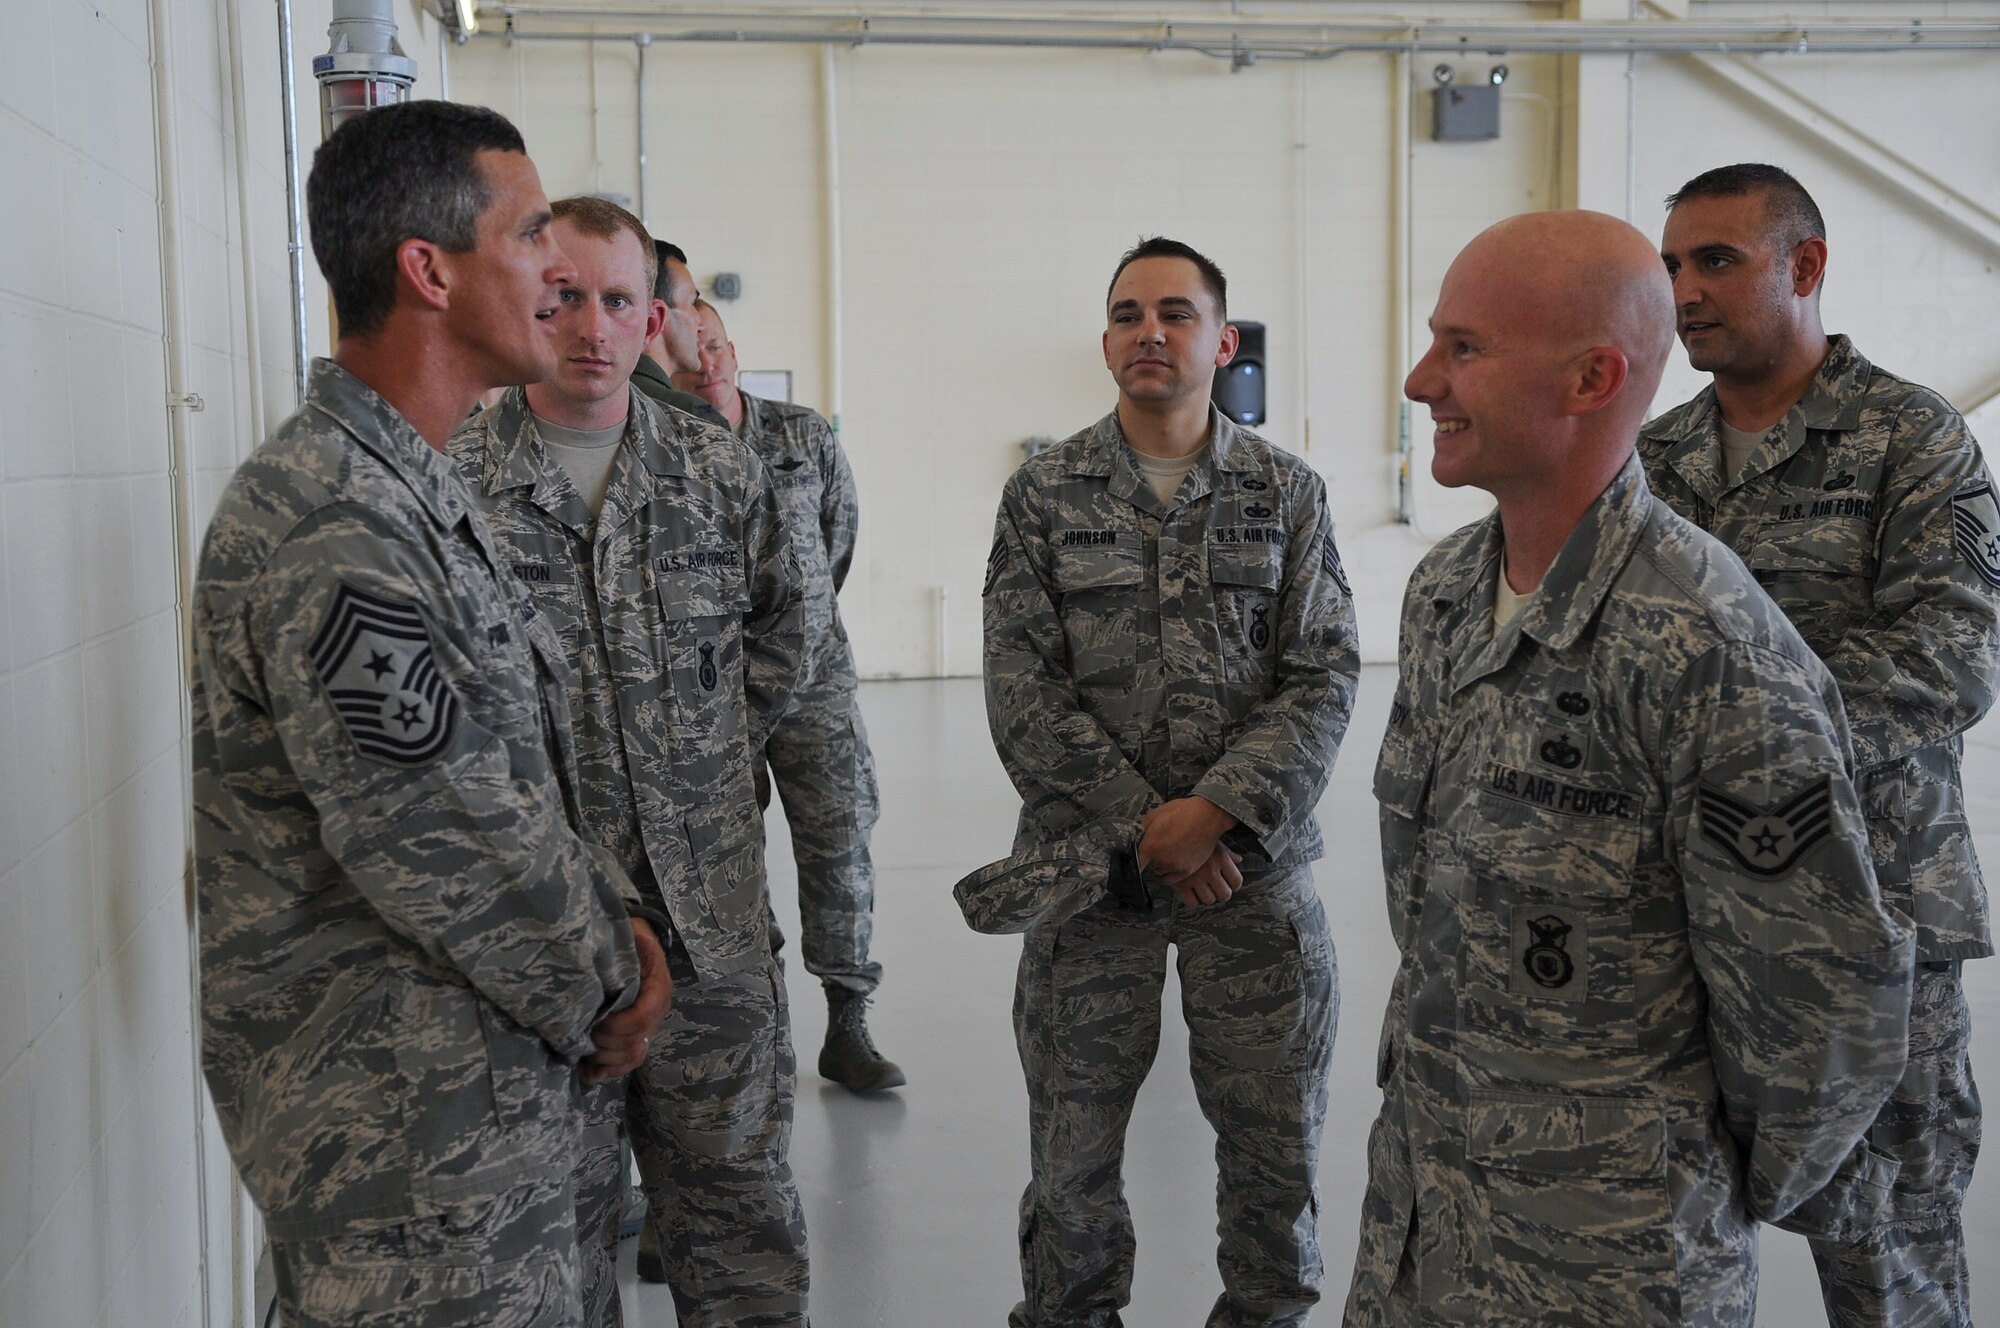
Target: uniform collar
384 432
760 417
1572 591
1107 454
1689 440
518 460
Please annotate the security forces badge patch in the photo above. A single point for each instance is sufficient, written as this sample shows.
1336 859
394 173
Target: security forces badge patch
1975 519
1551 953
374 658
1767 840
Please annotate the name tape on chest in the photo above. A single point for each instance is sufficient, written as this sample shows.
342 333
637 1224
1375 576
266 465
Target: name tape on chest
1246 535
1083 539
699 560
1559 795
374 657
1819 509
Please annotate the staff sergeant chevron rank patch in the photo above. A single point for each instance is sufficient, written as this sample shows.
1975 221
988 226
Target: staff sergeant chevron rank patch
1975 519
374 658
1768 841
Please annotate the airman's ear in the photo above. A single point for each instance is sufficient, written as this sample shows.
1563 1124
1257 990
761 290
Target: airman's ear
1600 375
424 269
1231 339
1808 266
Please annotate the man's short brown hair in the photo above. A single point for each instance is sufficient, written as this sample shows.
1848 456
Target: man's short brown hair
601 219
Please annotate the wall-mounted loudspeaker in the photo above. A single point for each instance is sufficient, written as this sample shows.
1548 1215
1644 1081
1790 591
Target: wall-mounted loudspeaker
1239 384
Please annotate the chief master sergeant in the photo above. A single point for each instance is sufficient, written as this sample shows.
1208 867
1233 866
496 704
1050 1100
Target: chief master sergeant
653 546
1862 506
1648 991
405 947
818 754
1170 640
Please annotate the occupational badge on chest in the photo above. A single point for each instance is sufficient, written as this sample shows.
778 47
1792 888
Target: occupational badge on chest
1562 741
1551 949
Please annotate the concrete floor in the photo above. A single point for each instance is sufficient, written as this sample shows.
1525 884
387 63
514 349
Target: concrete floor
910 1196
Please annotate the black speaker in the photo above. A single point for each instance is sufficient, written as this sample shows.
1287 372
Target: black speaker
1239 384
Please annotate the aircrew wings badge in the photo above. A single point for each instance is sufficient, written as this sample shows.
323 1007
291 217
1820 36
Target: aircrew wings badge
374 657
1768 840
1975 520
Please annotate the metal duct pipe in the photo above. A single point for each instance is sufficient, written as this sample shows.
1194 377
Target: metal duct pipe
1262 38
295 196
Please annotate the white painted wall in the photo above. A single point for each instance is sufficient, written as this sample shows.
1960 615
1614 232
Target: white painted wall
986 197
987 194
115 1202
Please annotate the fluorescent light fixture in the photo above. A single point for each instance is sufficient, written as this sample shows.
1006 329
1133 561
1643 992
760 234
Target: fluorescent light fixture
468 16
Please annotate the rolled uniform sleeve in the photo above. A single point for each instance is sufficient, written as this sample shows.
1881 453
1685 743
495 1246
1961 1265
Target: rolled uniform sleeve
466 853
1067 769
1807 975
1924 664
1272 774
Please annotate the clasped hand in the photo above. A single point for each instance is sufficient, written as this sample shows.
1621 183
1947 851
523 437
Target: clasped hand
623 1037
1180 845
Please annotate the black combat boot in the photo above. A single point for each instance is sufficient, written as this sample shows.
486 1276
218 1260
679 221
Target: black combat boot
849 1057
652 1263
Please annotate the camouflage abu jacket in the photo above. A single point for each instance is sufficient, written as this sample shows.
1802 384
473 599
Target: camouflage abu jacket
816 493
404 944
1648 992
1139 651
1869 516
680 607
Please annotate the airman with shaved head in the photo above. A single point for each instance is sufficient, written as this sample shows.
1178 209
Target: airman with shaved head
1648 991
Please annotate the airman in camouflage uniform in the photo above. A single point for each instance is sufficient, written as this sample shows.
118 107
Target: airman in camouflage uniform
818 754
1648 992
1865 510
679 603
405 947
673 349
1172 662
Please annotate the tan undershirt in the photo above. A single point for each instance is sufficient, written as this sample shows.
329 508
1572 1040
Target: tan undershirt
1506 604
1164 474
587 456
1736 449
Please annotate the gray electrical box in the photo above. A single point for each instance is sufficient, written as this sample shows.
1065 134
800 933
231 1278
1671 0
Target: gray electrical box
1465 112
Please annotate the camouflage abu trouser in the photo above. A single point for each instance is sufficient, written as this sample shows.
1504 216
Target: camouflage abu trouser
1260 995
710 1118
819 759
1910 1271
504 1260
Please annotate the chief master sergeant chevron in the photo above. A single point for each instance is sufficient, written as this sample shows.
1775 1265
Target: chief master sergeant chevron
1862 506
405 947
1170 640
1648 992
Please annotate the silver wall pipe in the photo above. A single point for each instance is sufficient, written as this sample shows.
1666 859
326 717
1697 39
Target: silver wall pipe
640 41
1261 39
180 485
836 287
253 338
295 193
